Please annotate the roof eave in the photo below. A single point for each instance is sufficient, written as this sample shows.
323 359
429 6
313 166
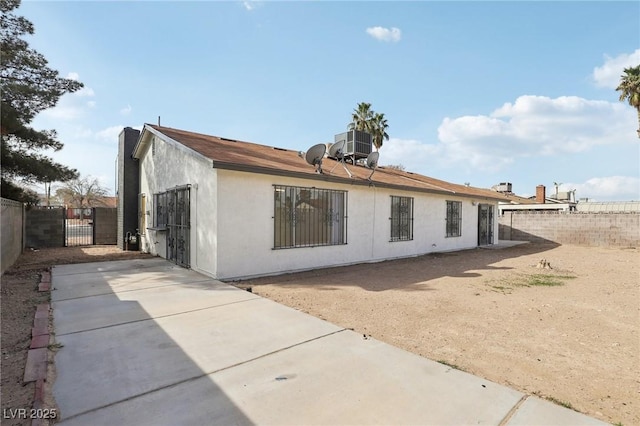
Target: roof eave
142 144
336 179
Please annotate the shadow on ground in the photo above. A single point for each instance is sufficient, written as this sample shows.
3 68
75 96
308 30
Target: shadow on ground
410 274
96 371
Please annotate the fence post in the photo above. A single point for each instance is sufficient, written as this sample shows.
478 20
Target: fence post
23 232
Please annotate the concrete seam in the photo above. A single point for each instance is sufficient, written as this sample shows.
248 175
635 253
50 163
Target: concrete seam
127 291
513 410
204 374
110 270
158 317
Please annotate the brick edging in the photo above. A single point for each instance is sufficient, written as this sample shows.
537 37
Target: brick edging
35 369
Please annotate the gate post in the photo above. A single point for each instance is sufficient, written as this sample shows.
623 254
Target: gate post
93 226
65 216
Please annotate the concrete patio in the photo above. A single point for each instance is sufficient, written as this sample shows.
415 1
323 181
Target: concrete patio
147 342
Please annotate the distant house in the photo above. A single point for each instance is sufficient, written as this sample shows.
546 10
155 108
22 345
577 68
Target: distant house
232 209
585 206
107 201
562 201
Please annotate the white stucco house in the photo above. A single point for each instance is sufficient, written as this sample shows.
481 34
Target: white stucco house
232 209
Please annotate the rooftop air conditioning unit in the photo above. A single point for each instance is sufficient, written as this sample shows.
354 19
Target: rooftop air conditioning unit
357 144
504 187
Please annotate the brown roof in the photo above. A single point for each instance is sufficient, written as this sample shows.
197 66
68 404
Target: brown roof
245 156
109 201
516 199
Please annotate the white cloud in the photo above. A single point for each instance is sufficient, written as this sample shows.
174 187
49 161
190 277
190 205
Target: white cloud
107 182
72 106
126 110
412 154
620 188
385 34
535 126
73 76
110 134
251 4
81 132
85 92
63 111
608 75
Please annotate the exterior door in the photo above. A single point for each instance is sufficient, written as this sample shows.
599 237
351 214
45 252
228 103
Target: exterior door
178 226
485 224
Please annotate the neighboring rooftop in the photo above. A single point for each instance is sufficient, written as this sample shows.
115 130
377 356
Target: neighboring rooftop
250 157
609 206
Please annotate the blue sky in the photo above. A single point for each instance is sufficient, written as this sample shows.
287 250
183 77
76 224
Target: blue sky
479 92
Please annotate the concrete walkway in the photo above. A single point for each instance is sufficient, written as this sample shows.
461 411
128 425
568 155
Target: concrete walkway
145 342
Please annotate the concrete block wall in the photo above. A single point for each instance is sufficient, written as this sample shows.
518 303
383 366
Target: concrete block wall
105 225
12 230
585 229
44 228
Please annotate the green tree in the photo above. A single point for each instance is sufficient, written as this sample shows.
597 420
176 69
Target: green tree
82 193
378 128
28 87
367 120
361 117
629 89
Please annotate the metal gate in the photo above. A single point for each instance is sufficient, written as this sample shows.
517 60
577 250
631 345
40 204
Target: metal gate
178 225
78 227
485 224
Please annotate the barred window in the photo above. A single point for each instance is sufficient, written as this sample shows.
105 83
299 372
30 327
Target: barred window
160 210
454 218
401 218
307 217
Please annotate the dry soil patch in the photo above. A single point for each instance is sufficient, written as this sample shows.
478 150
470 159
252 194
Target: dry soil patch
569 334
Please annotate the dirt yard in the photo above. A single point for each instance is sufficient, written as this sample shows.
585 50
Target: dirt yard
569 334
18 301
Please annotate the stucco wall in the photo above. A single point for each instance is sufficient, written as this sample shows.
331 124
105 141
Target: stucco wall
172 166
246 212
588 229
232 224
12 232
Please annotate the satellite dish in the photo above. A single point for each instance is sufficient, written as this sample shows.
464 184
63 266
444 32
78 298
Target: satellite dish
314 156
337 150
372 162
372 159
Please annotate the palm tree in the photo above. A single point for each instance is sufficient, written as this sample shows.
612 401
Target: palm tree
361 117
378 128
629 89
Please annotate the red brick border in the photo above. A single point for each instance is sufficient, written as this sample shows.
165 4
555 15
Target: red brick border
37 358
45 281
36 366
